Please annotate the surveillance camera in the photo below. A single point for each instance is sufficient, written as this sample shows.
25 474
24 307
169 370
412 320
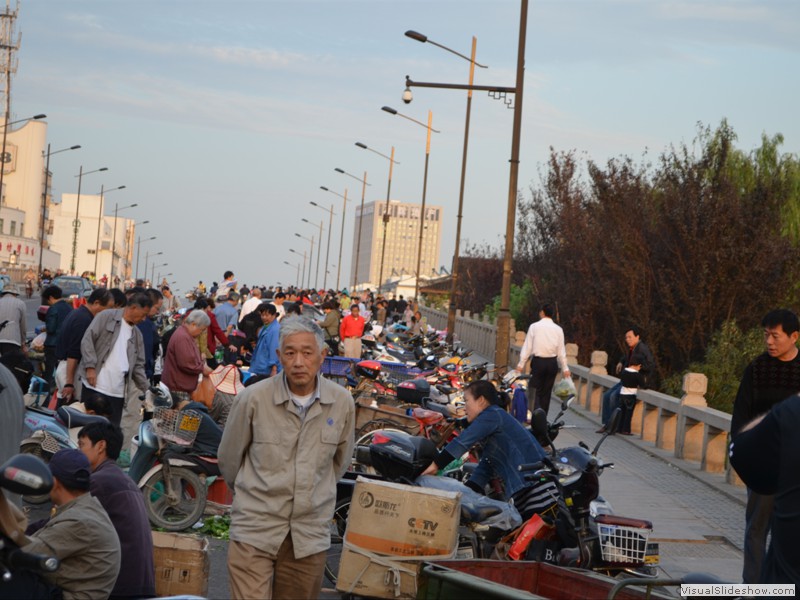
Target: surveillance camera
407 96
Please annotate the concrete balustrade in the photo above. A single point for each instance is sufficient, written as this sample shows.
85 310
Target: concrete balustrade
685 426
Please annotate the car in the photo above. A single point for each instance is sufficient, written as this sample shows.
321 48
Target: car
77 289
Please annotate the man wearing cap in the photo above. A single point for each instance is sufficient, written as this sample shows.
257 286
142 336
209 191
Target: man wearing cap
79 532
12 312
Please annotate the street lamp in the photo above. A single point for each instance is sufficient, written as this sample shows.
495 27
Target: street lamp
341 238
44 197
147 259
153 271
139 243
319 252
364 185
103 191
310 256
503 315
304 266
4 158
328 249
451 310
76 223
386 212
297 266
392 111
114 235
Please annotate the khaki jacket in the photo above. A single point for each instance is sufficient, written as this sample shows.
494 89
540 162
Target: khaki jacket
284 468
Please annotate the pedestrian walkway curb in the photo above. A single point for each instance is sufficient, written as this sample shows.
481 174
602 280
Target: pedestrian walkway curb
713 480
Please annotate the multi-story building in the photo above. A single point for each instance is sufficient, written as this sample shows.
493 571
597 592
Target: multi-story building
402 242
99 246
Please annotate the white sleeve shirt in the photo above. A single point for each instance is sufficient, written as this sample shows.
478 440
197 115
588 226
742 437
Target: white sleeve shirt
545 339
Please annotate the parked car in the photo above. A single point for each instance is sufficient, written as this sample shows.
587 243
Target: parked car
77 289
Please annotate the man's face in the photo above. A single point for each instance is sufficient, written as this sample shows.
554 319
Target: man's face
355 311
779 344
134 315
631 338
96 453
301 359
194 329
267 318
156 307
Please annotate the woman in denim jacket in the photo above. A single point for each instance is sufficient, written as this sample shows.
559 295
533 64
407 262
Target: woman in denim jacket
506 444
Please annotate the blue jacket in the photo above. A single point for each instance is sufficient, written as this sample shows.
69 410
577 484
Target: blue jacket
56 315
265 355
506 445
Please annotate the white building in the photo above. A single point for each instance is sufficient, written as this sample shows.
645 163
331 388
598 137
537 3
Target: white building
96 244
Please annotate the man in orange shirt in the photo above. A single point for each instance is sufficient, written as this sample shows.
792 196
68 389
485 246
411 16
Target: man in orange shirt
350 330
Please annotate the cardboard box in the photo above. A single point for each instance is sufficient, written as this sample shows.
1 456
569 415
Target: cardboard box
389 521
182 564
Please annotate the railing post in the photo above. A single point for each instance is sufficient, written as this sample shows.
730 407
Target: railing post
690 434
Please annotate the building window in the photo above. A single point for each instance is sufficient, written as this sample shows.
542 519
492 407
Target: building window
13 228
2 230
50 226
90 251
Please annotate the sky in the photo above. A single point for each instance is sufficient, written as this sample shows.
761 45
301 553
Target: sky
224 118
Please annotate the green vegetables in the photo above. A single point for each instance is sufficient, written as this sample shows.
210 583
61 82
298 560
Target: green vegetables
217 527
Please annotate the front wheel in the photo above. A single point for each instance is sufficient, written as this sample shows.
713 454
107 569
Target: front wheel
338 524
177 506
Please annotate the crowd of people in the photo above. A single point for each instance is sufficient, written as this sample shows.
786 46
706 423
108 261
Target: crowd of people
283 435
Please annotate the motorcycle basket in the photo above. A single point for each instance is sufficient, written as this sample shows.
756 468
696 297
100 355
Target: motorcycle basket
623 543
176 426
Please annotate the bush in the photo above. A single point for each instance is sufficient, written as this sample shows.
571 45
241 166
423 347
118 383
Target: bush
729 352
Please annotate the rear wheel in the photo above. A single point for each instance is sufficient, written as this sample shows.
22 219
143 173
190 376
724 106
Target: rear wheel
338 524
179 510
37 451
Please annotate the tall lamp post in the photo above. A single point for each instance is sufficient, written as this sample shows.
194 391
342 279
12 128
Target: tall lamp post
44 197
4 157
392 162
328 249
341 237
76 223
319 251
153 271
302 278
364 185
503 315
114 235
139 243
297 266
392 111
103 191
147 259
454 273
310 256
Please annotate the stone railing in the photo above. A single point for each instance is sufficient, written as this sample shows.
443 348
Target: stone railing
685 426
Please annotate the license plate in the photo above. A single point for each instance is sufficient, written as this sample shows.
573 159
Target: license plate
465 553
651 554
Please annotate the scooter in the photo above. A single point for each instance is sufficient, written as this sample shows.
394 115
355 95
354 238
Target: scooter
174 480
27 475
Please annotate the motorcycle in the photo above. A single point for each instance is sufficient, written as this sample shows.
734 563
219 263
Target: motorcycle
606 543
172 478
20 571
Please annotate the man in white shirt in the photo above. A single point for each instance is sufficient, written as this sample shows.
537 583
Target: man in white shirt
544 346
113 355
251 304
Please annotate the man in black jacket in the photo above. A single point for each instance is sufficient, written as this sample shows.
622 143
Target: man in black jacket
771 377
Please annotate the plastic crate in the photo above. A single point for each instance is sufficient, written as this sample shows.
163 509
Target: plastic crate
623 544
337 366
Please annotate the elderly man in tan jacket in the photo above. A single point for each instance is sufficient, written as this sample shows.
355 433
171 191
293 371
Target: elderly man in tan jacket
287 441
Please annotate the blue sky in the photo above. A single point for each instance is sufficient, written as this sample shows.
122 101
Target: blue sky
223 118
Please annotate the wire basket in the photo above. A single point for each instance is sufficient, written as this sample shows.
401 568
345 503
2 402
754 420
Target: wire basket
176 426
622 544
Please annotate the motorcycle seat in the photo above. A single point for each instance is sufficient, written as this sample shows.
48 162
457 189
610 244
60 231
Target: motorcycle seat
478 514
427 417
443 409
72 417
446 389
624 521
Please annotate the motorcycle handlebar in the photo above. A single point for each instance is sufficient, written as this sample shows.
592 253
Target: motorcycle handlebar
39 563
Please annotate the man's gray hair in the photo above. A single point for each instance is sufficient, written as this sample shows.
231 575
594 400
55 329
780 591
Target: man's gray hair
198 317
298 324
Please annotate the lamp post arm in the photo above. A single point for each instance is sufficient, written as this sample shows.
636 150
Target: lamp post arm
461 86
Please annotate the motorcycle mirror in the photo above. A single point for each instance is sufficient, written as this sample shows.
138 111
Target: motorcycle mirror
539 426
25 474
613 423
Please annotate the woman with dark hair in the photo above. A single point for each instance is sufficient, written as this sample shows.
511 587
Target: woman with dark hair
506 445
213 334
